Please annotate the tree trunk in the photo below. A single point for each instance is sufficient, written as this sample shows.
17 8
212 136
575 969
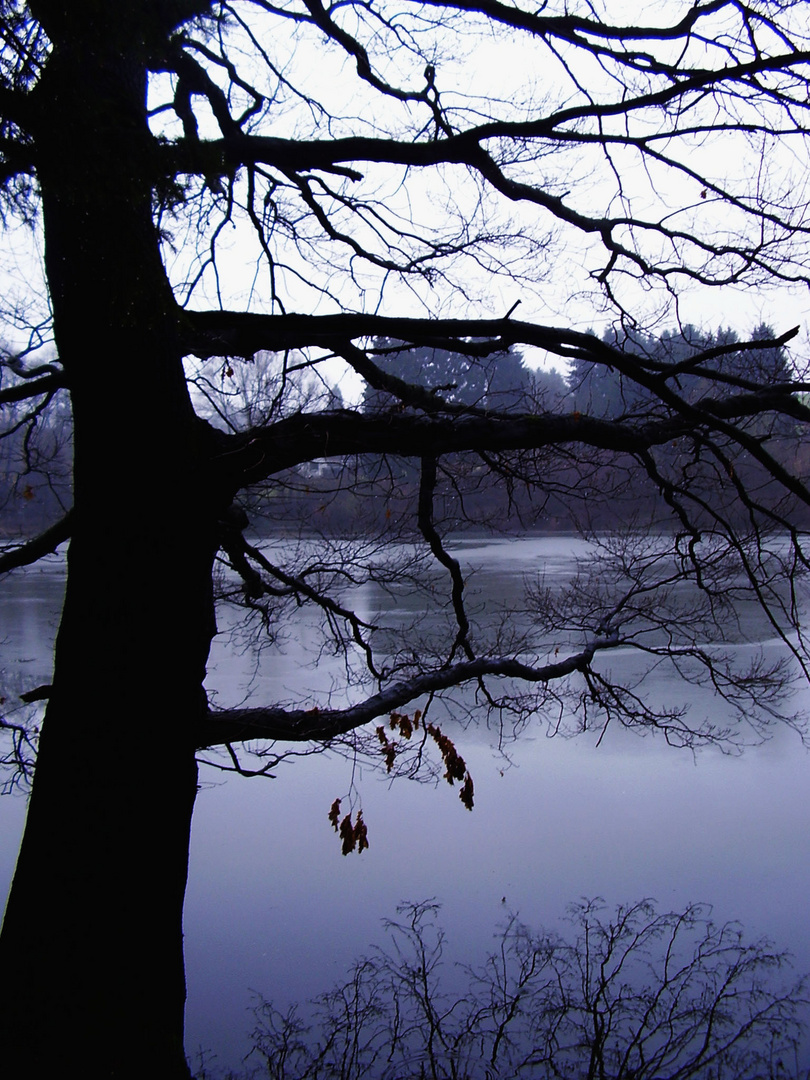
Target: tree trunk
91 948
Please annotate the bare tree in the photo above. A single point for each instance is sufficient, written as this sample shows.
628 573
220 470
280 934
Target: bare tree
385 194
633 995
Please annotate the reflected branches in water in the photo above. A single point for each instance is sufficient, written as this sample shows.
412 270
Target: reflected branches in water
631 993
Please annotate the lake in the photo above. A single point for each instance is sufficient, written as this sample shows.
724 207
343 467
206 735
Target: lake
274 909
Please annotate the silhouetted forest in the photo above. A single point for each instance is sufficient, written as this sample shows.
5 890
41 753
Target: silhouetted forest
540 491
528 491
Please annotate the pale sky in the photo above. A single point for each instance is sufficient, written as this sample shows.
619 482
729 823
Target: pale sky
495 66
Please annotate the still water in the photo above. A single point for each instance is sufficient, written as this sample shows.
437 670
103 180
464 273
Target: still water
274 909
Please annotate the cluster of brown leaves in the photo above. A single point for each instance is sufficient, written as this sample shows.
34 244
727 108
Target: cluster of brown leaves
453 761
467 792
389 749
454 765
405 725
353 836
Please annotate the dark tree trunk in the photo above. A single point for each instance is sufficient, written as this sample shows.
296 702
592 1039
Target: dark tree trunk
91 948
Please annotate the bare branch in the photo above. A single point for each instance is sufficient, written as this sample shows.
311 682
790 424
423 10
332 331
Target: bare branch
45 544
25 390
302 725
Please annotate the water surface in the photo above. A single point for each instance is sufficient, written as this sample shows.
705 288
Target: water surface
274 908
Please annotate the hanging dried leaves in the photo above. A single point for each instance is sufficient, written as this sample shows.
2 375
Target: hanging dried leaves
455 768
405 725
454 765
466 793
389 749
354 837
360 833
347 834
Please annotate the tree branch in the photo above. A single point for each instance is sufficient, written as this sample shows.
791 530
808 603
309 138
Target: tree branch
255 455
237 333
577 27
305 725
427 488
304 437
462 148
39 546
22 391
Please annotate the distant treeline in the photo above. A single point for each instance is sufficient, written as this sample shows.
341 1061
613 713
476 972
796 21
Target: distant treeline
563 488
544 491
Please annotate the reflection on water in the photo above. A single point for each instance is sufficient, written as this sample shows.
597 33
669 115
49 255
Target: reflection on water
274 907
633 993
